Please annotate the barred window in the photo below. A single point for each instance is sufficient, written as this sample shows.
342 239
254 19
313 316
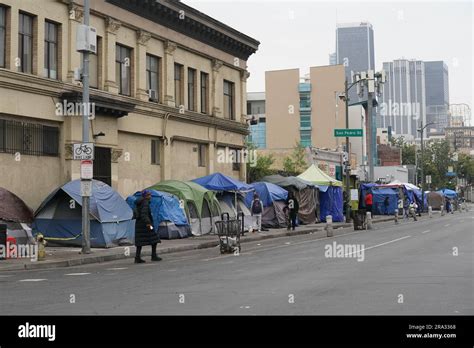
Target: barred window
28 138
3 31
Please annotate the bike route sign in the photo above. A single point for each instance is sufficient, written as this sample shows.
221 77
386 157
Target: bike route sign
83 151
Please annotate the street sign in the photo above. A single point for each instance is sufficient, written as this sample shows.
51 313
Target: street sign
83 151
86 188
428 179
87 171
348 132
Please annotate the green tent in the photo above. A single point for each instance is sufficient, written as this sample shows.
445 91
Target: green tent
199 203
316 176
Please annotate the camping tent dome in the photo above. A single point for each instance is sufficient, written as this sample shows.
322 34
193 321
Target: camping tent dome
221 182
316 176
16 215
169 218
273 199
200 203
60 220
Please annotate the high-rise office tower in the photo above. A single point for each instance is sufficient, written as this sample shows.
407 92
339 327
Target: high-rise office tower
437 94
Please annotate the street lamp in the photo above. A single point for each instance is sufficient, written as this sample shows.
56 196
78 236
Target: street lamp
421 130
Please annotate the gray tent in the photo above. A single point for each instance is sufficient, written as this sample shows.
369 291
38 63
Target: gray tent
305 192
435 200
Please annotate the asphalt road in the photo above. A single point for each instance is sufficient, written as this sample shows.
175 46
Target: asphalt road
423 267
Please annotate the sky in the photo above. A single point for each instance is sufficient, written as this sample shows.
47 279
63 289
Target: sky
300 34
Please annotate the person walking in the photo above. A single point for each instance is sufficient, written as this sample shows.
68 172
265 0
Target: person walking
400 207
406 207
369 201
144 231
292 207
412 207
257 210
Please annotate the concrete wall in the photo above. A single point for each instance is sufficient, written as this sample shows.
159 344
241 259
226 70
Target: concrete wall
394 173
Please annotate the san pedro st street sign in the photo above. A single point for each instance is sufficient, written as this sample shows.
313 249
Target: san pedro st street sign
348 132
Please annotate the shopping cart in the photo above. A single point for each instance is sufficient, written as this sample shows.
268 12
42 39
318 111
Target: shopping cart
228 232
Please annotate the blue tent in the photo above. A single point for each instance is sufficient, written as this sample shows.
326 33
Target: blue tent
448 193
169 219
331 203
58 218
221 182
267 192
379 196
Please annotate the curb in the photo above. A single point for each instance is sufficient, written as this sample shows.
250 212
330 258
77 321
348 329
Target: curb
205 245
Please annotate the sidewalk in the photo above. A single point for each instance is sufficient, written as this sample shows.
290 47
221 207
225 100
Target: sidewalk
57 257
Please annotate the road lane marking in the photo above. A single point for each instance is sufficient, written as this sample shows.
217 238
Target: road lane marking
377 245
116 268
77 274
31 280
425 231
447 225
5 276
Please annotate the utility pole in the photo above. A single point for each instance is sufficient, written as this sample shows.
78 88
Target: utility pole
370 139
348 177
421 130
86 243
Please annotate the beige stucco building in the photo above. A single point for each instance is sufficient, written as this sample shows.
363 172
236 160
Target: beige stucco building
168 87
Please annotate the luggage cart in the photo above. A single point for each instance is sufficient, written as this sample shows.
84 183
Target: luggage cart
228 232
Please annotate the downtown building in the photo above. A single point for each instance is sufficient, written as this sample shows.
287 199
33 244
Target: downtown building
402 106
168 89
437 95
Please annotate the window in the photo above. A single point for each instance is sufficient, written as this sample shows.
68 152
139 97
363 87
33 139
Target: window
191 89
28 138
236 162
94 65
155 151
204 93
229 100
122 69
201 155
152 75
25 43
178 85
50 50
3 30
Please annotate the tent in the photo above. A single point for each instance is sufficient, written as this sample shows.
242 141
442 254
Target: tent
17 216
435 200
273 199
169 219
305 192
448 193
58 217
226 186
200 203
330 193
379 196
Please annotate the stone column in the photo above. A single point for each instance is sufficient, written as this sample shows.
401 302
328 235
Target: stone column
140 64
244 75
215 102
211 153
168 74
112 26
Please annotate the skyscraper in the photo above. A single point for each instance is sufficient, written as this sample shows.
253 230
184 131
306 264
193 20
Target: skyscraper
437 94
403 102
355 50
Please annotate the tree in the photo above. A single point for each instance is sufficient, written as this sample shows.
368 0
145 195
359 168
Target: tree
437 159
296 163
408 150
465 168
261 167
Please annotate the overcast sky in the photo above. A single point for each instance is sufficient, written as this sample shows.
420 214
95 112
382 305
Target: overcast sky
300 34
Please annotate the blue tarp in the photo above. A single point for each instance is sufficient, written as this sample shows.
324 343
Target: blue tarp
331 203
267 192
448 193
378 205
221 182
164 207
60 222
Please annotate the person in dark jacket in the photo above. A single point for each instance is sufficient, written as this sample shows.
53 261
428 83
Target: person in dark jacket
385 205
144 230
292 207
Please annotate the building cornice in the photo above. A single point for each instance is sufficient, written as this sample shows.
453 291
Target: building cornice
188 21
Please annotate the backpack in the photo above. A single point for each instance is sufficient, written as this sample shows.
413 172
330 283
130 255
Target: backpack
256 206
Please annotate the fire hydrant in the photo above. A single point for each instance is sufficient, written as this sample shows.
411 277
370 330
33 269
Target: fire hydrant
41 247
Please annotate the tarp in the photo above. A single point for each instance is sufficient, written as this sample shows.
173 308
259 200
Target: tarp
379 195
331 203
59 218
288 181
221 182
12 208
448 193
316 176
165 207
267 192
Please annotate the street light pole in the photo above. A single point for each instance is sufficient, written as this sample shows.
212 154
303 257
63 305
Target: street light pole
348 177
421 130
